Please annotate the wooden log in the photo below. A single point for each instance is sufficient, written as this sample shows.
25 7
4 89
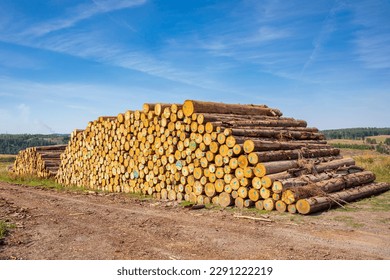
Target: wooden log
250 146
323 203
302 180
335 164
292 195
259 205
294 154
276 134
280 206
292 208
269 204
242 120
50 148
192 106
278 166
225 199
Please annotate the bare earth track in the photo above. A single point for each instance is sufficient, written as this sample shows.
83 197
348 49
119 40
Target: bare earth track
61 225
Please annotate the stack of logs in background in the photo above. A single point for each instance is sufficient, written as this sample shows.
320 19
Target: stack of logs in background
39 161
206 152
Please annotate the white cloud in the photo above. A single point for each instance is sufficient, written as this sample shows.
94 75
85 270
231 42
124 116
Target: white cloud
82 12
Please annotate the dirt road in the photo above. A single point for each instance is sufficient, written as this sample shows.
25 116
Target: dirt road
61 225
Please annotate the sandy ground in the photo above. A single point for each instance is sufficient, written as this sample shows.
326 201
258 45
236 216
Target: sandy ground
62 225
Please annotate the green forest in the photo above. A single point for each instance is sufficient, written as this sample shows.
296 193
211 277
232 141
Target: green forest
359 133
13 143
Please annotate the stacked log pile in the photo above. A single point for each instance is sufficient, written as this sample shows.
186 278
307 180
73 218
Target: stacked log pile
42 162
206 152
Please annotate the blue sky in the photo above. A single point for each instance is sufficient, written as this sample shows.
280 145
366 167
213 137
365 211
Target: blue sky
66 62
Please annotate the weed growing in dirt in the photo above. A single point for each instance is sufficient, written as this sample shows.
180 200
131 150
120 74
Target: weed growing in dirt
185 203
4 227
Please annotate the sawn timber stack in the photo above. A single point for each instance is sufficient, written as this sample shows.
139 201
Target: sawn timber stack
207 152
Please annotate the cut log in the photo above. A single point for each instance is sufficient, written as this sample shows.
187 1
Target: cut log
264 145
327 186
276 134
295 154
323 203
192 106
278 166
254 121
225 199
335 164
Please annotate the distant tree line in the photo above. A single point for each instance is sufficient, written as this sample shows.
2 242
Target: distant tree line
355 133
13 143
353 146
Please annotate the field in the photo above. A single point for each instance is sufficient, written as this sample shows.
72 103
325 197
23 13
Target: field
43 220
380 138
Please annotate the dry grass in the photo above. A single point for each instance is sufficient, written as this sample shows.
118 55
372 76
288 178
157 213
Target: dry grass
379 138
379 164
346 141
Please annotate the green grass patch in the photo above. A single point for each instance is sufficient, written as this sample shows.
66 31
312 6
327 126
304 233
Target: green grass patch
4 228
254 210
377 203
349 221
186 203
32 181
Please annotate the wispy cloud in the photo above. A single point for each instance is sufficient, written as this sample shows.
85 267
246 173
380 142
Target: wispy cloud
325 32
373 37
82 12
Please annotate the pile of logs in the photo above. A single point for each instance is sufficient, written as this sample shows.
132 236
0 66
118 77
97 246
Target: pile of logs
206 152
42 162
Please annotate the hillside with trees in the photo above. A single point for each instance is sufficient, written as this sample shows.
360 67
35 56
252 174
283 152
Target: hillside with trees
359 133
13 143
365 138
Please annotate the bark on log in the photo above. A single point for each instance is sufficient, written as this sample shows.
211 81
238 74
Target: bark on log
231 120
323 203
192 106
276 134
327 186
295 154
264 145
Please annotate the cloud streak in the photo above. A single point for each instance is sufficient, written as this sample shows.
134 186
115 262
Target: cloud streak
82 12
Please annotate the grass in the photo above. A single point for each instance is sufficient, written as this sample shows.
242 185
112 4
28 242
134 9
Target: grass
379 138
9 159
379 164
4 228
375 203
345 141
350 221
32 181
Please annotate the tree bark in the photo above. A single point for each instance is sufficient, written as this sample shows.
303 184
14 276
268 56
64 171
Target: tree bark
192 106
323 203
266 145
292 195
